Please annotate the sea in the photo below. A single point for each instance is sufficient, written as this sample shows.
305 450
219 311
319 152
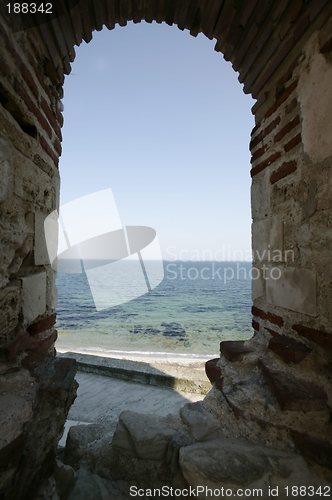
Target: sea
195 307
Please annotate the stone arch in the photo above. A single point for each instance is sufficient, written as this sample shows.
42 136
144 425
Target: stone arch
282 51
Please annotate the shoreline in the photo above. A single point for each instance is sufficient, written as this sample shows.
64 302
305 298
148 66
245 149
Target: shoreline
143 356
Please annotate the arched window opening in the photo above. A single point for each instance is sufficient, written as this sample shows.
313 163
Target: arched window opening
159 118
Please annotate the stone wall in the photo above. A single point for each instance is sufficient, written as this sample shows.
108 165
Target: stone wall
282 51
291 199
36 388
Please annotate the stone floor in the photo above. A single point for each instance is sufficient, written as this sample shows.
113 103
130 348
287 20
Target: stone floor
101 399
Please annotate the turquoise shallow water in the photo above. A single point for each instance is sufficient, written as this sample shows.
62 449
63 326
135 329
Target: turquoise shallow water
197 305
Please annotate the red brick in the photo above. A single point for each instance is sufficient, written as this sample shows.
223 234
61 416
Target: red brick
14 107
40 351
44 80
255 325
29 343
288 74
261 166
287 168
271 317
288 349
57 131
272 125
29 80
44 344
35 111
44 144
259 137
267 130
48 111
42 325
292 143
42 120
259 152
282 98
23 69
52 118
291 106
287 128
57 146
213 372
256 127
320 337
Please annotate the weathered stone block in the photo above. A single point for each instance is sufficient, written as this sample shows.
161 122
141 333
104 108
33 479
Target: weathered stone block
146 436
33 185
267 239
260 237
314 91
257 284
294 393
276 236
260 196
9 312
33 296
14 238
51 289
294 290
285 169
233 463
87 442
255 325
40 249
17 396
247 393
201 423
145 448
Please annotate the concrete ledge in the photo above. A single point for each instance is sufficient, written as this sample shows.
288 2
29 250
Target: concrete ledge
183 379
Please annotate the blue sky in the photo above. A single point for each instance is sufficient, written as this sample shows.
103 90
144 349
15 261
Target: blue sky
160 117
